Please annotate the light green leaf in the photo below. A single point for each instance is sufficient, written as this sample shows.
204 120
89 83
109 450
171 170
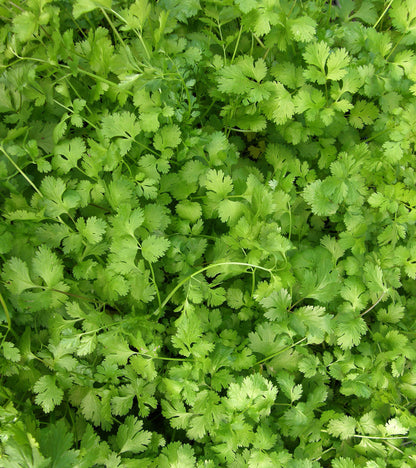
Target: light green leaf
81 7
153 248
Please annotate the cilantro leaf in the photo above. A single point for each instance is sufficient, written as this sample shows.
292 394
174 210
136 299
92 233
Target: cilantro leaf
48 393
153 248
343 427
130 436
16 275
81 7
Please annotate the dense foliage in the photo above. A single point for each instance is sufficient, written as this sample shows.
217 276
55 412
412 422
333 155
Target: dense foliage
207 233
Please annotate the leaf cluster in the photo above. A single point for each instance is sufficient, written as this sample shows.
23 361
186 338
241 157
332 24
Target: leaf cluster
207 233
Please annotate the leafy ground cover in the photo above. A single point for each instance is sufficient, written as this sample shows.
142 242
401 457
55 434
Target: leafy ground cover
207 236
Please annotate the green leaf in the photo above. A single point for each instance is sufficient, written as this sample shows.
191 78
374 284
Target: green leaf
316 55
363 113
24 25
138 12
178 455
168 136
16 275
81 7
303 28
153 248
217 184
120 124
189 210
91 407
266 340
255 396
10 352
67 155
188 332
277 304
336 64
312 322
321 203
279 107
56 442
92 230
343 427
349 330
342 462
47 265
49 394
288 387
131 437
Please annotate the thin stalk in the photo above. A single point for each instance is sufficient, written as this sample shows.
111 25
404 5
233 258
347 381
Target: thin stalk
208 109
234 129
155 285
139 36
21 172
222 43
16 6
397 43
67 67
72 112
253 282
291 8
201 270
84 298
237 43
78 95
290 220
113 27
394 447
296 303
161 358
376 135
6 312
382 15
380 437
260 42
372 307
97 77
279 352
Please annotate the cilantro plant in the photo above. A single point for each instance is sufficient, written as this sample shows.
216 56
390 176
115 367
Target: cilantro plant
207 233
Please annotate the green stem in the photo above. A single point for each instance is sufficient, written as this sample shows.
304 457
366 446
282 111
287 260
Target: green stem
209 267
395 47
279 352
377 135
21 172
394 447
165 358
139 36
6 312
382 15
113 27
72 112
67 67
16 6
155 285
379 437
237 43
222 43
253 282
372 307
84 298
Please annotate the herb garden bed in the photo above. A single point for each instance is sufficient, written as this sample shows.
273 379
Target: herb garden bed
207 233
